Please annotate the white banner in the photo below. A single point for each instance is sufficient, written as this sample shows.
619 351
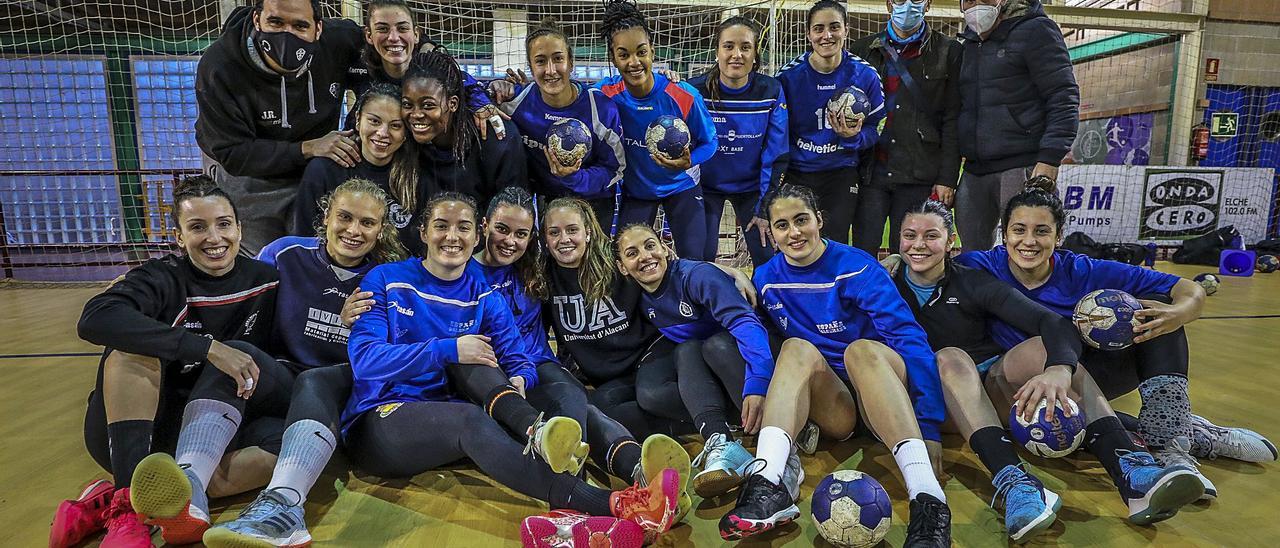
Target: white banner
1164 204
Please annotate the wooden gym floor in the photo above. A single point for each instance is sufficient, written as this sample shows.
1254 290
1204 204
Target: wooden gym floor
46 372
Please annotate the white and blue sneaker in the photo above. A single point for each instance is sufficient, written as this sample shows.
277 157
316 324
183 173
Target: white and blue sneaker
724 466
1210 441
1154 493
1028 507
793 475
1178 452
272 519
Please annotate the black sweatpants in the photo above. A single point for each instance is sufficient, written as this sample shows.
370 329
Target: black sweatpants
414 437
685 215
559 394
712 373
264 413
837 192
876 202
620 398
744 206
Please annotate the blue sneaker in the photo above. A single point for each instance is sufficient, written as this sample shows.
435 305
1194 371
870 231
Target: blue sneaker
1028 507
272 519
1154 493
724 466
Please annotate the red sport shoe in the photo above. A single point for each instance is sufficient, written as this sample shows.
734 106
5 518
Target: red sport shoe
76 519
602 532
551 530
653 508
124 527
161 491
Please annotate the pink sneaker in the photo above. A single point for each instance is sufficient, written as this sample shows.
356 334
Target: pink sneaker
124 527
551 530
602 532
76 519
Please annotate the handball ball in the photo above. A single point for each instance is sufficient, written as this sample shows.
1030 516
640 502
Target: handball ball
569 140
1106 319
851 509
1209 281
668 135
1051 437
1268 263
852 103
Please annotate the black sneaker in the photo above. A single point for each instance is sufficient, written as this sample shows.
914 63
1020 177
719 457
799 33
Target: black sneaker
930 525
762 505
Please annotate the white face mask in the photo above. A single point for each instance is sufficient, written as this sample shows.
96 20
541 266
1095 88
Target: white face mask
981 18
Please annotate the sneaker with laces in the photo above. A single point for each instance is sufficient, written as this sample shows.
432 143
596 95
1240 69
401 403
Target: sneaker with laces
930 525
724 466
653 508
1210 441
558 441
87 514
1178 452
602 532
553 529
793 475
762 505
807 440
171 498
273 519
1028 507
124 527
1155 493
658 453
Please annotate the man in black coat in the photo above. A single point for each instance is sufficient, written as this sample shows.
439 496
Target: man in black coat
1019 108
270 91
916 156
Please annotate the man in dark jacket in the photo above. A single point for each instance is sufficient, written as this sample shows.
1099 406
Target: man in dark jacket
916 155
269 91
1020 108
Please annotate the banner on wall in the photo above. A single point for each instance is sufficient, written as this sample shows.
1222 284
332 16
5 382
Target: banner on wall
1164 204
1118 140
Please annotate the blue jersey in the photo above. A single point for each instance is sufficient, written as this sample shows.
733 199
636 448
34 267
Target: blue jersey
400 347
527 311
845 296
601 171
695 301
1072 277
308 329
643 178
814 145
751 128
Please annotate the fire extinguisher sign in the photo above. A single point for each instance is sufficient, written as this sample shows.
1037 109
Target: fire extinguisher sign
1224 124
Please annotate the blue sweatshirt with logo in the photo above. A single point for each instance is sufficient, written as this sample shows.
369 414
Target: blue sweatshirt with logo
751 127
695 301
815 146
1073 277
643 178
601 171
308 329
400 347
845 296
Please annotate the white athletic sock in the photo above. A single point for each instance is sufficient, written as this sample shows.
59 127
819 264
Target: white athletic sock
306 448
207 428
773 446
917 471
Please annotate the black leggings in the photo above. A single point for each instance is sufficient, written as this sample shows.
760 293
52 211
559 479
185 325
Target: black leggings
744 207
263 425
712 373
620 398
837 193
560 394
1119 372
320 394
415 437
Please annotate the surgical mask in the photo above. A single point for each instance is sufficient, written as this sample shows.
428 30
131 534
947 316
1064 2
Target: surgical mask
907 15
981 18
285 48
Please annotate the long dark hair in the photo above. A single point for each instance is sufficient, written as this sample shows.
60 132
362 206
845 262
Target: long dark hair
529 267
799 192
403 179
713 75
438 65
620 15
368 55
198 186
1039 191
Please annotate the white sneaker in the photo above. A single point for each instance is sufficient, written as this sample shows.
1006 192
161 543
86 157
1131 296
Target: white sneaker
1176 452
1210 441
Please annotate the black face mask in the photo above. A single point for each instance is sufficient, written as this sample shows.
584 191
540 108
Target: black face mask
285 48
